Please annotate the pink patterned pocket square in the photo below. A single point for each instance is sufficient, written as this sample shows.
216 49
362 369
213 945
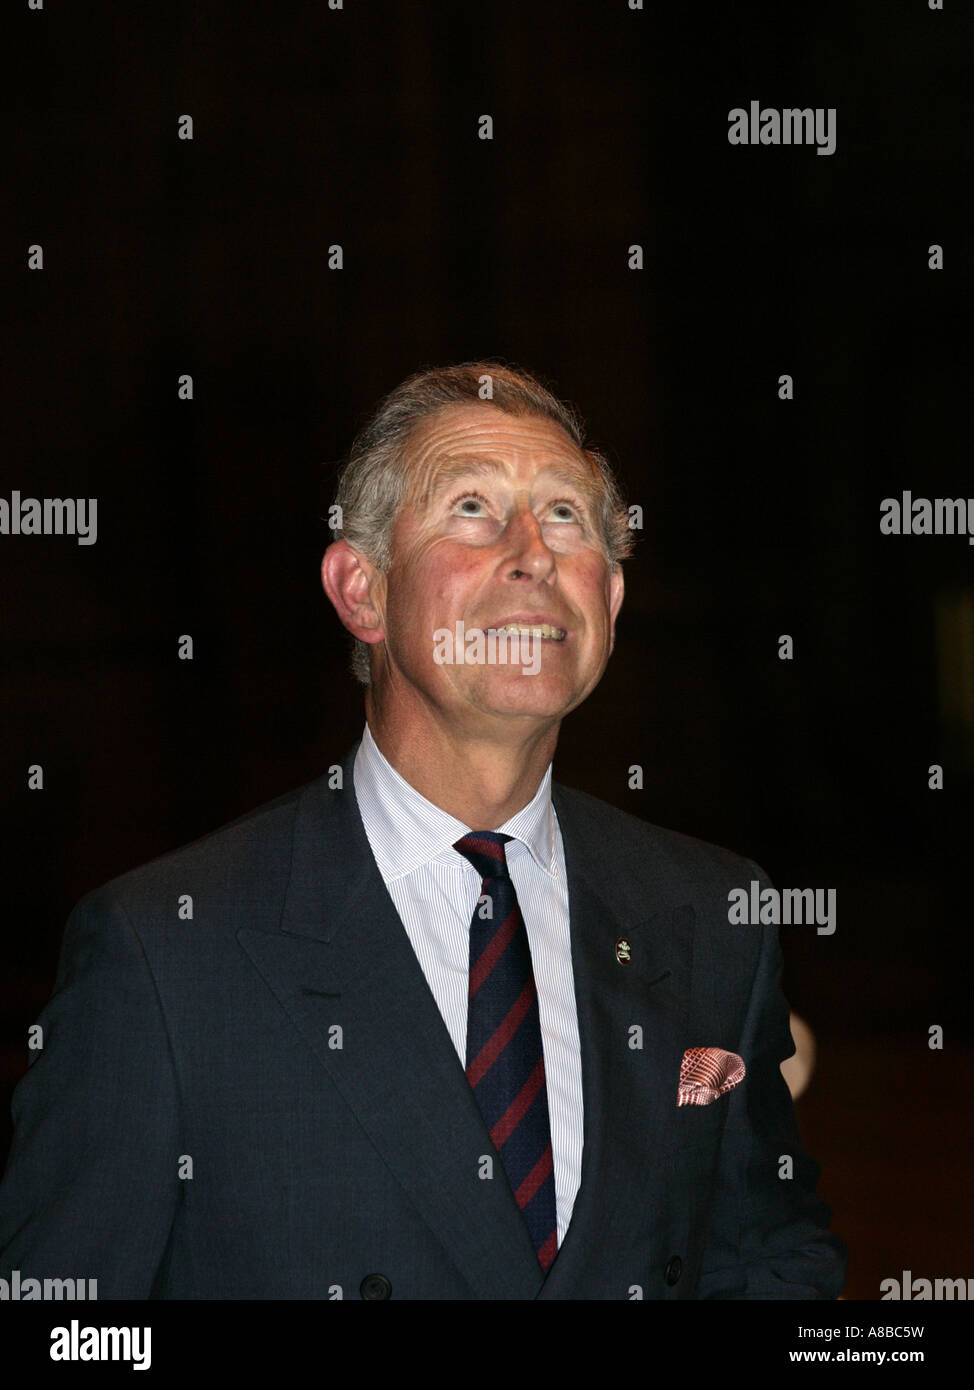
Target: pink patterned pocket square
706 1073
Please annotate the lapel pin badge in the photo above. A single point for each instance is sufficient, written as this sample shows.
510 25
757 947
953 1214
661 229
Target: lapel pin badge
623 951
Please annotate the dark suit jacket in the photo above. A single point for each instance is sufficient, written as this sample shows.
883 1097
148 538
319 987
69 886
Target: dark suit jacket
196 1125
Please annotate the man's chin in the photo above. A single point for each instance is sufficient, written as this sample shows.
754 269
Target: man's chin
517 693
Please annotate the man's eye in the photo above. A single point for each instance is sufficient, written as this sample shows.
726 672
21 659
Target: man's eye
563 511
470 504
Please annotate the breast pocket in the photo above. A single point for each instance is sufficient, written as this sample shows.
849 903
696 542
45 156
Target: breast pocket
702 1126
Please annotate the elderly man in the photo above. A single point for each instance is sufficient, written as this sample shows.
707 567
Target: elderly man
432 1027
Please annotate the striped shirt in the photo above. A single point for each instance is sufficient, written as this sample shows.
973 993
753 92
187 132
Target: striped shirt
435 890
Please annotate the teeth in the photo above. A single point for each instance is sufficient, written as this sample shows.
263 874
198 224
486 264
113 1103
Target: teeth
557 634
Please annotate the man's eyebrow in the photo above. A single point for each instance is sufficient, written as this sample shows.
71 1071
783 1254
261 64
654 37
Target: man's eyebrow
441 476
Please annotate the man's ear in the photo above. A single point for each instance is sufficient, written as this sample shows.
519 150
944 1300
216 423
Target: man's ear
617 590
356 590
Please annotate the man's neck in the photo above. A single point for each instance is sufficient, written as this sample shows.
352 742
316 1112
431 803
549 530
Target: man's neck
479 780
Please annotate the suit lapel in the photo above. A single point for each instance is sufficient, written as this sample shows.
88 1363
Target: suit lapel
629 1093
342 958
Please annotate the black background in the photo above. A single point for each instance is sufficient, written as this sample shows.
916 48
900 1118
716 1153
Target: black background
360 128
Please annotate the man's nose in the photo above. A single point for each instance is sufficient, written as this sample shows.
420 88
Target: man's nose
526 547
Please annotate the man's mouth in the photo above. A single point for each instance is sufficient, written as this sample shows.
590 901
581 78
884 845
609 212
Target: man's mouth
546 631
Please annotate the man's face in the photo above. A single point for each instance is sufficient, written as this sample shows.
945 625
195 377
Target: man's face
501 530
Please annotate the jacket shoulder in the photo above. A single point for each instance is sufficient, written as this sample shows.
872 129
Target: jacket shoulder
254 848
629 845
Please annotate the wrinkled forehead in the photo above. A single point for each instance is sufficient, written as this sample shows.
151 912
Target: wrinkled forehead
485 442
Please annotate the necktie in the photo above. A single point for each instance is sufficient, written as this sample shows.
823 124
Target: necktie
505 1058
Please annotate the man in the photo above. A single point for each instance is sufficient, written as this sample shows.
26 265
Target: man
432 1027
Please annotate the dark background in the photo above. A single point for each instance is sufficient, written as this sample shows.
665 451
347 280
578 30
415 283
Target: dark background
359 127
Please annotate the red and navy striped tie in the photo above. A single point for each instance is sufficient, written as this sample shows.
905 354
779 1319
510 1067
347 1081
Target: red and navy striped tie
505 1058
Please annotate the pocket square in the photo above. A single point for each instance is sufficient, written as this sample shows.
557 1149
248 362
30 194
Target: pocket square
706 1073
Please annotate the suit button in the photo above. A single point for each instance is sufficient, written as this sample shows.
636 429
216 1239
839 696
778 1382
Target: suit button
673 1270
376 1287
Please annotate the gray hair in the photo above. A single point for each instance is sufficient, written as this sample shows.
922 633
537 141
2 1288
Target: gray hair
373 483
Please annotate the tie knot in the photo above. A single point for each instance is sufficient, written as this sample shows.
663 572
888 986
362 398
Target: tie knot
485 850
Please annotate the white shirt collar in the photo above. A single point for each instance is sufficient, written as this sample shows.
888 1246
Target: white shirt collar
405 830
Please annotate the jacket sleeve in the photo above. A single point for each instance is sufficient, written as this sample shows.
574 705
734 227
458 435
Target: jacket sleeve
769 1236
91 1186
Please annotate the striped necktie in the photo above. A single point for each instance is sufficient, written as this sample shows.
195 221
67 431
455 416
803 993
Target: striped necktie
505 1058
